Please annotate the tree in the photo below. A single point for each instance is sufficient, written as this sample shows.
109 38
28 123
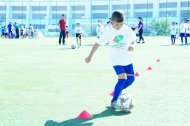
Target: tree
161 26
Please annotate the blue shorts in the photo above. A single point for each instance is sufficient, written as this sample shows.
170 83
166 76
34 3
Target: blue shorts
182 34
187 35
124 69
173 36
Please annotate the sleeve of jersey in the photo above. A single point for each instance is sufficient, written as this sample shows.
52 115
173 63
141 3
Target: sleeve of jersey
131 35
103 39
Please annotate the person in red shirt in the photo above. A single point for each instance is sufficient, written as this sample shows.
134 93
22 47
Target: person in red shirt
62 26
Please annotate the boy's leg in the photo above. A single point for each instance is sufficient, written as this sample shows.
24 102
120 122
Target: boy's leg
172 39
77 39
186 36
130 76
66 34
80 39
181 35
120 71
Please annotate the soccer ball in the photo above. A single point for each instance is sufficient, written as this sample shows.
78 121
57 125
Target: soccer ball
125 102
73 46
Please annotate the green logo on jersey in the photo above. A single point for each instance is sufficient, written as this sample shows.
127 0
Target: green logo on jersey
118 41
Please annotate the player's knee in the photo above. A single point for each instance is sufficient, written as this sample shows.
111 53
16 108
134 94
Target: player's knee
120 83
131 79
121 76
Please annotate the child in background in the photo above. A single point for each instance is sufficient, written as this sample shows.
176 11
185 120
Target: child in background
21 32
36 35
177 32
182 30
2 32
99 29
67 32
173 32
187 31
78 30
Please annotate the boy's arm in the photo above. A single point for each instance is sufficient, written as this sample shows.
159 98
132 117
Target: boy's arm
93 50
132 39
131 46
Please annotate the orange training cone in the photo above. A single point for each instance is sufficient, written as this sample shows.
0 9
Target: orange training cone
149 68
137 74
84 115
112 93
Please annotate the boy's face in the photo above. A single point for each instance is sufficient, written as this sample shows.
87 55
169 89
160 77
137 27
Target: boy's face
117 25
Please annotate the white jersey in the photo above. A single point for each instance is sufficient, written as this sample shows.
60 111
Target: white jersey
173 30
182 28
119 41
78 30
24 31
99 30
108 26
32 28
188 28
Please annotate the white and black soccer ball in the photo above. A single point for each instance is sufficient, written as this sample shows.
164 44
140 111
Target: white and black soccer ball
125 102
73 46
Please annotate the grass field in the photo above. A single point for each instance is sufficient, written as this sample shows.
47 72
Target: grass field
42 83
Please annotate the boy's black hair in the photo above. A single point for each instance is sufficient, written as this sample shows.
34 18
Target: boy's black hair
118 16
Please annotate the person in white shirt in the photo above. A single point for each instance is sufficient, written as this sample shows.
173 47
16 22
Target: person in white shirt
24 32
109 24
173 32
187 31
78 30
182 30
31 31
99 29
121 40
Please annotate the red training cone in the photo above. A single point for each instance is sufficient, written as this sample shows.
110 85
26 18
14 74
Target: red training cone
158 60
112 93
149 68
84 115
137 74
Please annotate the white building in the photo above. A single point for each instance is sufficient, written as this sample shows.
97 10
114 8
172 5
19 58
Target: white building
45 14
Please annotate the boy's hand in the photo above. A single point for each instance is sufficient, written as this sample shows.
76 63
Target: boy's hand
130 48
88 59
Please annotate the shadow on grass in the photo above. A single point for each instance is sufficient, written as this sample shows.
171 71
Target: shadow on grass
84 122
89 45
67 49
